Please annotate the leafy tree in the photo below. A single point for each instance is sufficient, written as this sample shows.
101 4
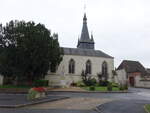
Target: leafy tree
28 50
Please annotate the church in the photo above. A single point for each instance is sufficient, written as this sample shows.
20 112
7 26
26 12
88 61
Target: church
82 58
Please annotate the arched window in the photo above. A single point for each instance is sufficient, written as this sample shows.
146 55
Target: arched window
88 67
72 66
104 71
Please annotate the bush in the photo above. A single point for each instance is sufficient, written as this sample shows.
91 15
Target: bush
80 84
90 82
109 87
121 87
92 88
39 83
87 80
126 87
104 83
115 84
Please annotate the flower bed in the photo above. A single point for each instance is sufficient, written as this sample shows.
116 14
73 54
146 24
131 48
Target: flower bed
36 93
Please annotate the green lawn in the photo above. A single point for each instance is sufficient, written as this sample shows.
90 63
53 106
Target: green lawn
101 88
147 107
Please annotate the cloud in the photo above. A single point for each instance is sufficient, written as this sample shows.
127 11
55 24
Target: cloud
121 28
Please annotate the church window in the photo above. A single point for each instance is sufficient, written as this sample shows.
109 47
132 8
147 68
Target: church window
88 67
72 66
105 70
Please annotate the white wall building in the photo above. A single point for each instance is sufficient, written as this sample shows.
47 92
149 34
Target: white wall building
84 57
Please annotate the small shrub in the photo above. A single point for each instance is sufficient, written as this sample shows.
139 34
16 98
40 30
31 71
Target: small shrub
80 84
87 80
92 88
126 87
121 87
40 83
115 84
90 82
109 87
104 83
31 94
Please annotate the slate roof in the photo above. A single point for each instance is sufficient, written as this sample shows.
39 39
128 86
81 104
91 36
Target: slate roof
132 66
85 33
85 52
85 42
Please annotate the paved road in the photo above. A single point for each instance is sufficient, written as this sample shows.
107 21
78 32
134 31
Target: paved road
126 103
123 106
135 93
45 111
132 102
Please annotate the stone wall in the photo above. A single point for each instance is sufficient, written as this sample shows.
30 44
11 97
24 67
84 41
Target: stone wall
1 80
143 83
63 78
56 80
80 64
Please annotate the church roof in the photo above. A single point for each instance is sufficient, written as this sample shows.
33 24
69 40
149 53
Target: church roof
85 52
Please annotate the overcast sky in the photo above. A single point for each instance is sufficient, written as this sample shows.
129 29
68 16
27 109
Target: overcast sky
121 28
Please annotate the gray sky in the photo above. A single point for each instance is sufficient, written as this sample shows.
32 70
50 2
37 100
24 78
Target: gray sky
121 28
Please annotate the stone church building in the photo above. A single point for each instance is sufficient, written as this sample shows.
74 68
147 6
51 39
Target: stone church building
84 57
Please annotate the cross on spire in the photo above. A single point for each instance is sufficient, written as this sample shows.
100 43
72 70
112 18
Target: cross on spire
84 7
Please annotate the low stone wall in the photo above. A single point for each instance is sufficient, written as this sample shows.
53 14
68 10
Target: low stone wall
62 80
141 83
56 80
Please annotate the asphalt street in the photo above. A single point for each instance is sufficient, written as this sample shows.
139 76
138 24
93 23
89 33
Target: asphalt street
132 102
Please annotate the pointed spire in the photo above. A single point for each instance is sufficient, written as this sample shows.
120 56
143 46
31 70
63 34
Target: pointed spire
84 18
85 41
85 33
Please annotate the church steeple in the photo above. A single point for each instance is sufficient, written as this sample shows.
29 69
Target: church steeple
85 42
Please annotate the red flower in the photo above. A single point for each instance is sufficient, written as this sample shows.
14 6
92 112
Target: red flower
39 89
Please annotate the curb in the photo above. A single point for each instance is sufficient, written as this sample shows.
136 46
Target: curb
24 92
7 92
32 103
98 108
93 91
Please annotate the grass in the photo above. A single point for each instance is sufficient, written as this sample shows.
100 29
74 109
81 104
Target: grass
100 88
12 86
147 107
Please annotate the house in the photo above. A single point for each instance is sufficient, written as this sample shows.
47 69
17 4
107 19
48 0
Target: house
82 58
134 70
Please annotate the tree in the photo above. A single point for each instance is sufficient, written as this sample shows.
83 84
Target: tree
28 50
